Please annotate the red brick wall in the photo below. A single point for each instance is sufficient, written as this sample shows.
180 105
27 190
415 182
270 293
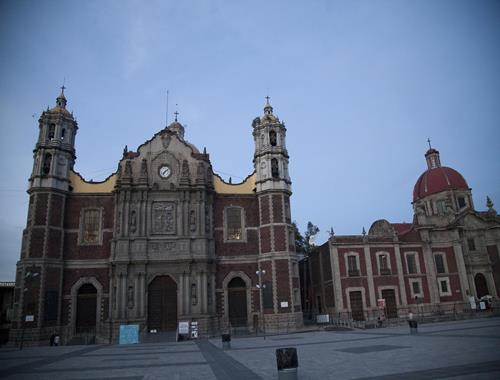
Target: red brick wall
37 241
420 258
278 208
71 276
54 243
265 207
265 239
392 259
41 209
224 269
248 202
355 282
56 209
75 203
83 252
425 289
454 285
250 247
283 285
280 238
342 261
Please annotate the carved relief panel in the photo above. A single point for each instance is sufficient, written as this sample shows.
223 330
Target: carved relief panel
163 218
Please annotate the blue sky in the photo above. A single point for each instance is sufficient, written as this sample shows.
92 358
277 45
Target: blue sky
361 85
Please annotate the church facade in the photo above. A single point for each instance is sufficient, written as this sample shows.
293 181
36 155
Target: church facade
445 261
160 241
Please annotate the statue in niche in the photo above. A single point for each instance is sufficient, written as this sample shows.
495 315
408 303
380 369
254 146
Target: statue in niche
128 169
118 222
144 168
185 169
209 175
207 219
192 220
256 122
130 297
200 174
133 221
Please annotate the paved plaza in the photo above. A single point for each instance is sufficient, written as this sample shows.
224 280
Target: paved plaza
460 350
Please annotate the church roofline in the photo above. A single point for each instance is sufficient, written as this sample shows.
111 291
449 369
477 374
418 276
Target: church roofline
247 186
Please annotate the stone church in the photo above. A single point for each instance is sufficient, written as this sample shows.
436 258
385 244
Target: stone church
160 241
445 261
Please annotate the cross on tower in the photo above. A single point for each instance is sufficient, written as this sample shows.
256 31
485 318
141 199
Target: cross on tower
176 113
429 141
63 88
267 99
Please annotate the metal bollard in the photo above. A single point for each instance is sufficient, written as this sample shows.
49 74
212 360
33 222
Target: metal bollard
226 341
287 362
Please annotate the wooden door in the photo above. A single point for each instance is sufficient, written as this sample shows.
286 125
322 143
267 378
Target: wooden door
162 304
237 302
86 309
481 285
391 306
356 299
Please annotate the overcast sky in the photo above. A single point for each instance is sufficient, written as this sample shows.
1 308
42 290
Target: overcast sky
361 85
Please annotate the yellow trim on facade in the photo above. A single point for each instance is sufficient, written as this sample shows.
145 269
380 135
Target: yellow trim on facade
81 186
245 187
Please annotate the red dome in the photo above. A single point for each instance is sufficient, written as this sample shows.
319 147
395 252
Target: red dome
436 180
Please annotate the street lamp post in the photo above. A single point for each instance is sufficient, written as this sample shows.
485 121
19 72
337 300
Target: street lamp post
260 286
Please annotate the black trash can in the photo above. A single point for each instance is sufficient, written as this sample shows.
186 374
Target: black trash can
226 341
287 362
413 327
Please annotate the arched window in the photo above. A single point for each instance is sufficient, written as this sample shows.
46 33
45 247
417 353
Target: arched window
274 168
46 164
52 131
272 138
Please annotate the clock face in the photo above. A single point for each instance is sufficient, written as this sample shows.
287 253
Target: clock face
165 171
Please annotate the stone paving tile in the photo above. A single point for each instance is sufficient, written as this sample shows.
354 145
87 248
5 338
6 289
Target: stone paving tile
455 350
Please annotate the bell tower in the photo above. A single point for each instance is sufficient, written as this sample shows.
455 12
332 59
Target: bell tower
39 273
277 261
54 153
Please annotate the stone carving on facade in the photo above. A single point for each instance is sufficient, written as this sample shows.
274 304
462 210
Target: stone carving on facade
164 246
381 228
256 121
144 168
163 217
118 222
192 220
210 176
200 173
165 140
207 219
133 221
128 169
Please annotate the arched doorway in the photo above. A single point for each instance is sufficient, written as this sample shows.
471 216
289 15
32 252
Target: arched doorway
481 285
162 304
237 302
86 309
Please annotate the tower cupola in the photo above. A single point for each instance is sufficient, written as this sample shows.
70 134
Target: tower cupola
177 127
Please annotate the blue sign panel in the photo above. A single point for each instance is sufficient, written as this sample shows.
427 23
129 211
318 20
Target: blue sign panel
129 334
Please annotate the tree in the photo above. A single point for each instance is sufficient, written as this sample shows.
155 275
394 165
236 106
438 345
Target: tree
303 242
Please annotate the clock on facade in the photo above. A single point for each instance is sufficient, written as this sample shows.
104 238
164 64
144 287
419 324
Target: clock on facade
165 171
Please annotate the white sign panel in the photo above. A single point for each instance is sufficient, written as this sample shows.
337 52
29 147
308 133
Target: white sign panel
184 328
29 318
284 304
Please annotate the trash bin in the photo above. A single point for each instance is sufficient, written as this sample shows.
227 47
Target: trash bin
287 362
413 327
226 341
